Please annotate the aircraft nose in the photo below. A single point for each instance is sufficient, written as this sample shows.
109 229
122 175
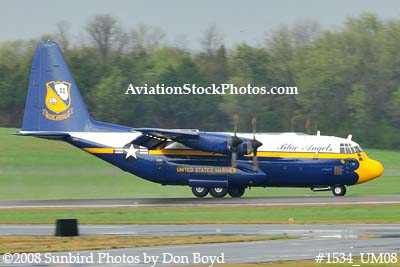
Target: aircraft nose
368 170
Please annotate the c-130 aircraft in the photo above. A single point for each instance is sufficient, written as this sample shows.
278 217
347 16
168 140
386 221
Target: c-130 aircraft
215 163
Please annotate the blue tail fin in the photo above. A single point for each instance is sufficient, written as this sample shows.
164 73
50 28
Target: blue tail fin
54 102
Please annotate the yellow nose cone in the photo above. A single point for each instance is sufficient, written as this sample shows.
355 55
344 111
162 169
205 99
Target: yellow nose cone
369 169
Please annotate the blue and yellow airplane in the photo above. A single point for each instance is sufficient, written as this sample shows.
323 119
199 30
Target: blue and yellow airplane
215 163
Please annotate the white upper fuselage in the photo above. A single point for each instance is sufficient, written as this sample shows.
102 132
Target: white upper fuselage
279 142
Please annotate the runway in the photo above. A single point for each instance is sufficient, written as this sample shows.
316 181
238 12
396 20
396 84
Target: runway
314 239
316 230
185 202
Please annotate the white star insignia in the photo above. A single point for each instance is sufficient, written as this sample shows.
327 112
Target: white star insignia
131 152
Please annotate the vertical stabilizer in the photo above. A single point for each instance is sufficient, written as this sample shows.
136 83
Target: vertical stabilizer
54 102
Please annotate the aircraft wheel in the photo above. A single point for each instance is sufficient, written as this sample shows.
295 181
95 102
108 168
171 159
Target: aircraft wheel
218 192
236 191
339 190
200 191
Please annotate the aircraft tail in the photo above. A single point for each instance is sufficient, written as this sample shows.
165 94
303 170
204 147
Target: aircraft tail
54 103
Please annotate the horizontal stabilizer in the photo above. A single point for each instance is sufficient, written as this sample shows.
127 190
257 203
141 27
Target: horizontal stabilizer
44 134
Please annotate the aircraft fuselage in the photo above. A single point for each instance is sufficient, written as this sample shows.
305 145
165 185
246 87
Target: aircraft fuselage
284 160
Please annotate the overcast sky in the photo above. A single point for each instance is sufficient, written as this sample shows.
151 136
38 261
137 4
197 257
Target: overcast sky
238 20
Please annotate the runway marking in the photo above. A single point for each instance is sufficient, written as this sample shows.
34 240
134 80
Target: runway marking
208 202
201 205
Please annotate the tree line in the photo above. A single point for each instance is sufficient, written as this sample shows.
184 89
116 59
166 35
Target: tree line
348 78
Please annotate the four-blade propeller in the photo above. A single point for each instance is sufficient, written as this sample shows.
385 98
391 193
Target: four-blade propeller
252 146
255 144
234 142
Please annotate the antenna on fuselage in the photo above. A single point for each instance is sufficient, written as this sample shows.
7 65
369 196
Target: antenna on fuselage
349 137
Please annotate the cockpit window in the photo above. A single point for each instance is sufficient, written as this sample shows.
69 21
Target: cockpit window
358 149
349 149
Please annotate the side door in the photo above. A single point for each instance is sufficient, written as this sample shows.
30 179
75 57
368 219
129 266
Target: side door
160 169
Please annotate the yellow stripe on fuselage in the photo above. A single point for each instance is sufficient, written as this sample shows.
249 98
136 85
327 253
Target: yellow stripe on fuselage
188 152
99 150
183 152
304 155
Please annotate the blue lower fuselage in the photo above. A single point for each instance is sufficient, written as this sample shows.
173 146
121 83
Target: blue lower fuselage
208 170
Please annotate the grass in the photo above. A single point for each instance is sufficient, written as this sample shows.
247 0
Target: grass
32 168
18 244
191 215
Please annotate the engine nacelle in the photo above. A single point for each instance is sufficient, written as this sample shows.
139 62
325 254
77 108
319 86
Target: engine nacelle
219 143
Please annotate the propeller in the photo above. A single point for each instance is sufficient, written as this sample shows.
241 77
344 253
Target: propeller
254 144
234 142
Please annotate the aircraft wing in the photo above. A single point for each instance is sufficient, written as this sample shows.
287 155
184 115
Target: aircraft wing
221 143
155 137
170 133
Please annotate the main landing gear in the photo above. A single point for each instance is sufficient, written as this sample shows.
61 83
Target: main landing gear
218 192
236 191
200 191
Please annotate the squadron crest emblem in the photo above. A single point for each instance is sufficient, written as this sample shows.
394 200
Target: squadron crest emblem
58 101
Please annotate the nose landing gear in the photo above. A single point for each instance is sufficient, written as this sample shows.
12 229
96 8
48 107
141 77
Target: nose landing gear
339 190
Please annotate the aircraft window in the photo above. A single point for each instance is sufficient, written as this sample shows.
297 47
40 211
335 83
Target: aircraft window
347 149
358 149
342 148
